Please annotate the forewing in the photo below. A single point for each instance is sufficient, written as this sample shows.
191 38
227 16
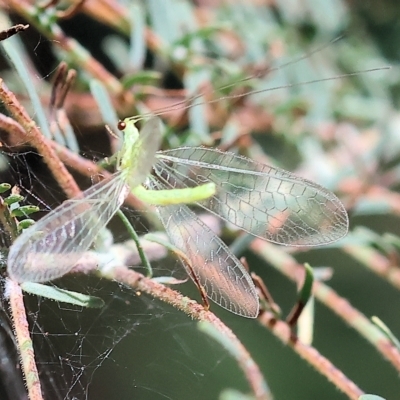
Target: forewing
53 245
267 202
219 272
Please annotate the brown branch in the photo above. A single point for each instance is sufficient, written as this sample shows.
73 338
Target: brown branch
76 52
283 331
21 329
6 33
197 312
376 262
71 11
340 306
36 139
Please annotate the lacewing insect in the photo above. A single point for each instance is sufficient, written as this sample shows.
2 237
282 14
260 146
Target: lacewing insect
267 202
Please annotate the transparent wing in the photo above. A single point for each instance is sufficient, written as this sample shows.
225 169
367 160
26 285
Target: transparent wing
53 245
223 277
143 153
267 202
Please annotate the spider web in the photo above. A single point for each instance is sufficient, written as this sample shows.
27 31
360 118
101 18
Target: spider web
134 347
150 349
145 346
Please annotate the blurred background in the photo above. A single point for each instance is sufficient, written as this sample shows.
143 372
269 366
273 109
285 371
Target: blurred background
342 133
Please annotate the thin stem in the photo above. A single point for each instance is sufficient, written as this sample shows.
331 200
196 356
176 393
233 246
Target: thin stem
13 30
76 52
135 238
36 139
8 222
283 331
197 312
114 14
376 262
25 346
244 360
71 11
287 265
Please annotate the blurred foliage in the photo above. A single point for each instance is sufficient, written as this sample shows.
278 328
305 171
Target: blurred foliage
145 56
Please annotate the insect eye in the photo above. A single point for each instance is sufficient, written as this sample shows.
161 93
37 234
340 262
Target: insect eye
121 125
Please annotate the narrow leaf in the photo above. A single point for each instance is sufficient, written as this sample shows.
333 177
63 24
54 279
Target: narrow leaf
64 296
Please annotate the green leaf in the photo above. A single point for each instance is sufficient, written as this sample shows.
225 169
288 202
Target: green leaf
393 239
4 187
24 211
14 50
142 78
26 223
232 394
13 198
64 296
305 291
386 331
137 52
104 103
202 33
169 280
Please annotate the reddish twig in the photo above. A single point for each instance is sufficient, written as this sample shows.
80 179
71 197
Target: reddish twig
197 312
354 318
21 329
6 33
284 332
36 139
